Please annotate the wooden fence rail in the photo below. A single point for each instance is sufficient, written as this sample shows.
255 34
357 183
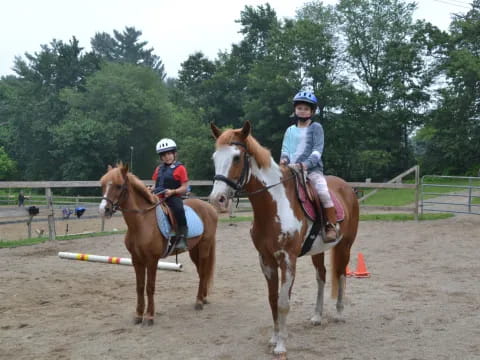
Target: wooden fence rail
49 199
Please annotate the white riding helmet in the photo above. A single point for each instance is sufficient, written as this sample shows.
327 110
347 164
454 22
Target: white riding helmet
165 145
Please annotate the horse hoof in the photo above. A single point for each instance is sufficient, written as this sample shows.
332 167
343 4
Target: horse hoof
281 356
340 308
137 320
316 320
198 306
205 301
148 322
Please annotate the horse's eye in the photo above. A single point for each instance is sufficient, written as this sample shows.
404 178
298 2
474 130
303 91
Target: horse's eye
236 158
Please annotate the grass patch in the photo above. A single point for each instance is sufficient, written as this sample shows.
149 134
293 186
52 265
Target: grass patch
391 197
368 217
39 240
402 197
404 217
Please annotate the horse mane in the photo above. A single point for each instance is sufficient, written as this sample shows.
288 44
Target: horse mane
141 189
115 175
261 154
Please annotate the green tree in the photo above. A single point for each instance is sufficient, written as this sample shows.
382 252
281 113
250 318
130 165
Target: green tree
451 139
383 52
195 144
123 105
32 107
7 165
126 47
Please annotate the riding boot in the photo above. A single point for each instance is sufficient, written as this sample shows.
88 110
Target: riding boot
331 233
182 237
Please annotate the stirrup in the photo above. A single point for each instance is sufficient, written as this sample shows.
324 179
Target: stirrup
181 243
338 235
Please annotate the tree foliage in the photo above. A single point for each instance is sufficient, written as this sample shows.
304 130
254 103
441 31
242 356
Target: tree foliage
392 92
126 47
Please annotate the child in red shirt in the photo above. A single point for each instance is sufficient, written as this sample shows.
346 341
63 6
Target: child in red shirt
171 182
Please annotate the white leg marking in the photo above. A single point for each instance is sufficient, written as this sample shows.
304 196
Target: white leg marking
283 304
317 316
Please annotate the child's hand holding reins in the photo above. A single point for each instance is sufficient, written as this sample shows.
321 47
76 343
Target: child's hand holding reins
170 192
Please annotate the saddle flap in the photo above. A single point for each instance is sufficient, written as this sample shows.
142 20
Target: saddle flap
169 214
308 196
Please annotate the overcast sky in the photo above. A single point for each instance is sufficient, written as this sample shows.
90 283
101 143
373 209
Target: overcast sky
175 29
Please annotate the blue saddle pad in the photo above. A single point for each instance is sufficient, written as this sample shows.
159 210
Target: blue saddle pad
194 223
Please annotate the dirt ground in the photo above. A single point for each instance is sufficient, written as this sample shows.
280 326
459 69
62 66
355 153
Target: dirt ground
421 301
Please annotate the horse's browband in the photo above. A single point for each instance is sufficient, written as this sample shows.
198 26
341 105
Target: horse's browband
240 144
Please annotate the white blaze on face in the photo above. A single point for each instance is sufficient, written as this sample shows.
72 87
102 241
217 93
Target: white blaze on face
103 203
289 224
222 159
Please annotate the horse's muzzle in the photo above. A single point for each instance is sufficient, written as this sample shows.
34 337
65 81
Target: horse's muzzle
219 201
105 209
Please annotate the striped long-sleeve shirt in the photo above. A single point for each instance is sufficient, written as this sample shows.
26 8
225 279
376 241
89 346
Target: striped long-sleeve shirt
304 145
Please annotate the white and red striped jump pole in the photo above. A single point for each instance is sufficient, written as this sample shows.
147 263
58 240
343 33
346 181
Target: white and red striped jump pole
115 260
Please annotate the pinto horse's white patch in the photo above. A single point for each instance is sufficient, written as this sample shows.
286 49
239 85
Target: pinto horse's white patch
289 224
222 159
267 270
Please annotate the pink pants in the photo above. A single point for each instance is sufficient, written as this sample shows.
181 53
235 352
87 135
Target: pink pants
318 181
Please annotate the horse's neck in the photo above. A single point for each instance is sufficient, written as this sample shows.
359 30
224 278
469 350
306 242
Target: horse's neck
133 201
260 179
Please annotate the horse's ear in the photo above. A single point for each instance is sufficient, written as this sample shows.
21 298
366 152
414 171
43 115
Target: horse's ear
109 167
215 130
124 169
246 129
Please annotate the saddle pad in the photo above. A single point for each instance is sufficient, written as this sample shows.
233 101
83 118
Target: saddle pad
194 223
310 209
338 207
306 203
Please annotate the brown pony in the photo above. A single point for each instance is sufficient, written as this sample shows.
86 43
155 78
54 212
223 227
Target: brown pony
279 225
124 191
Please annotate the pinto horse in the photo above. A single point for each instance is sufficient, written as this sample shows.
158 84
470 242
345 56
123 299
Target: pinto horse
279 226
124 191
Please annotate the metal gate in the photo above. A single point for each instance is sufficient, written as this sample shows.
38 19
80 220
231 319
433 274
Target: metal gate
455 194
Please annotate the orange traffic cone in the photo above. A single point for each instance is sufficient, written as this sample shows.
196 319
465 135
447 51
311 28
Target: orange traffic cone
348 272
361 271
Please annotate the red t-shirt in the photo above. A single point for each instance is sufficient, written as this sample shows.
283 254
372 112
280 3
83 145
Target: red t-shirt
179 174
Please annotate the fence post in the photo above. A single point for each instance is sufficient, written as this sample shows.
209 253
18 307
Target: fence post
51 218
469 194
417 189
29 226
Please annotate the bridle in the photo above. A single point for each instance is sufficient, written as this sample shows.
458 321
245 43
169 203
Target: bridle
244 175
244 178
122 197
